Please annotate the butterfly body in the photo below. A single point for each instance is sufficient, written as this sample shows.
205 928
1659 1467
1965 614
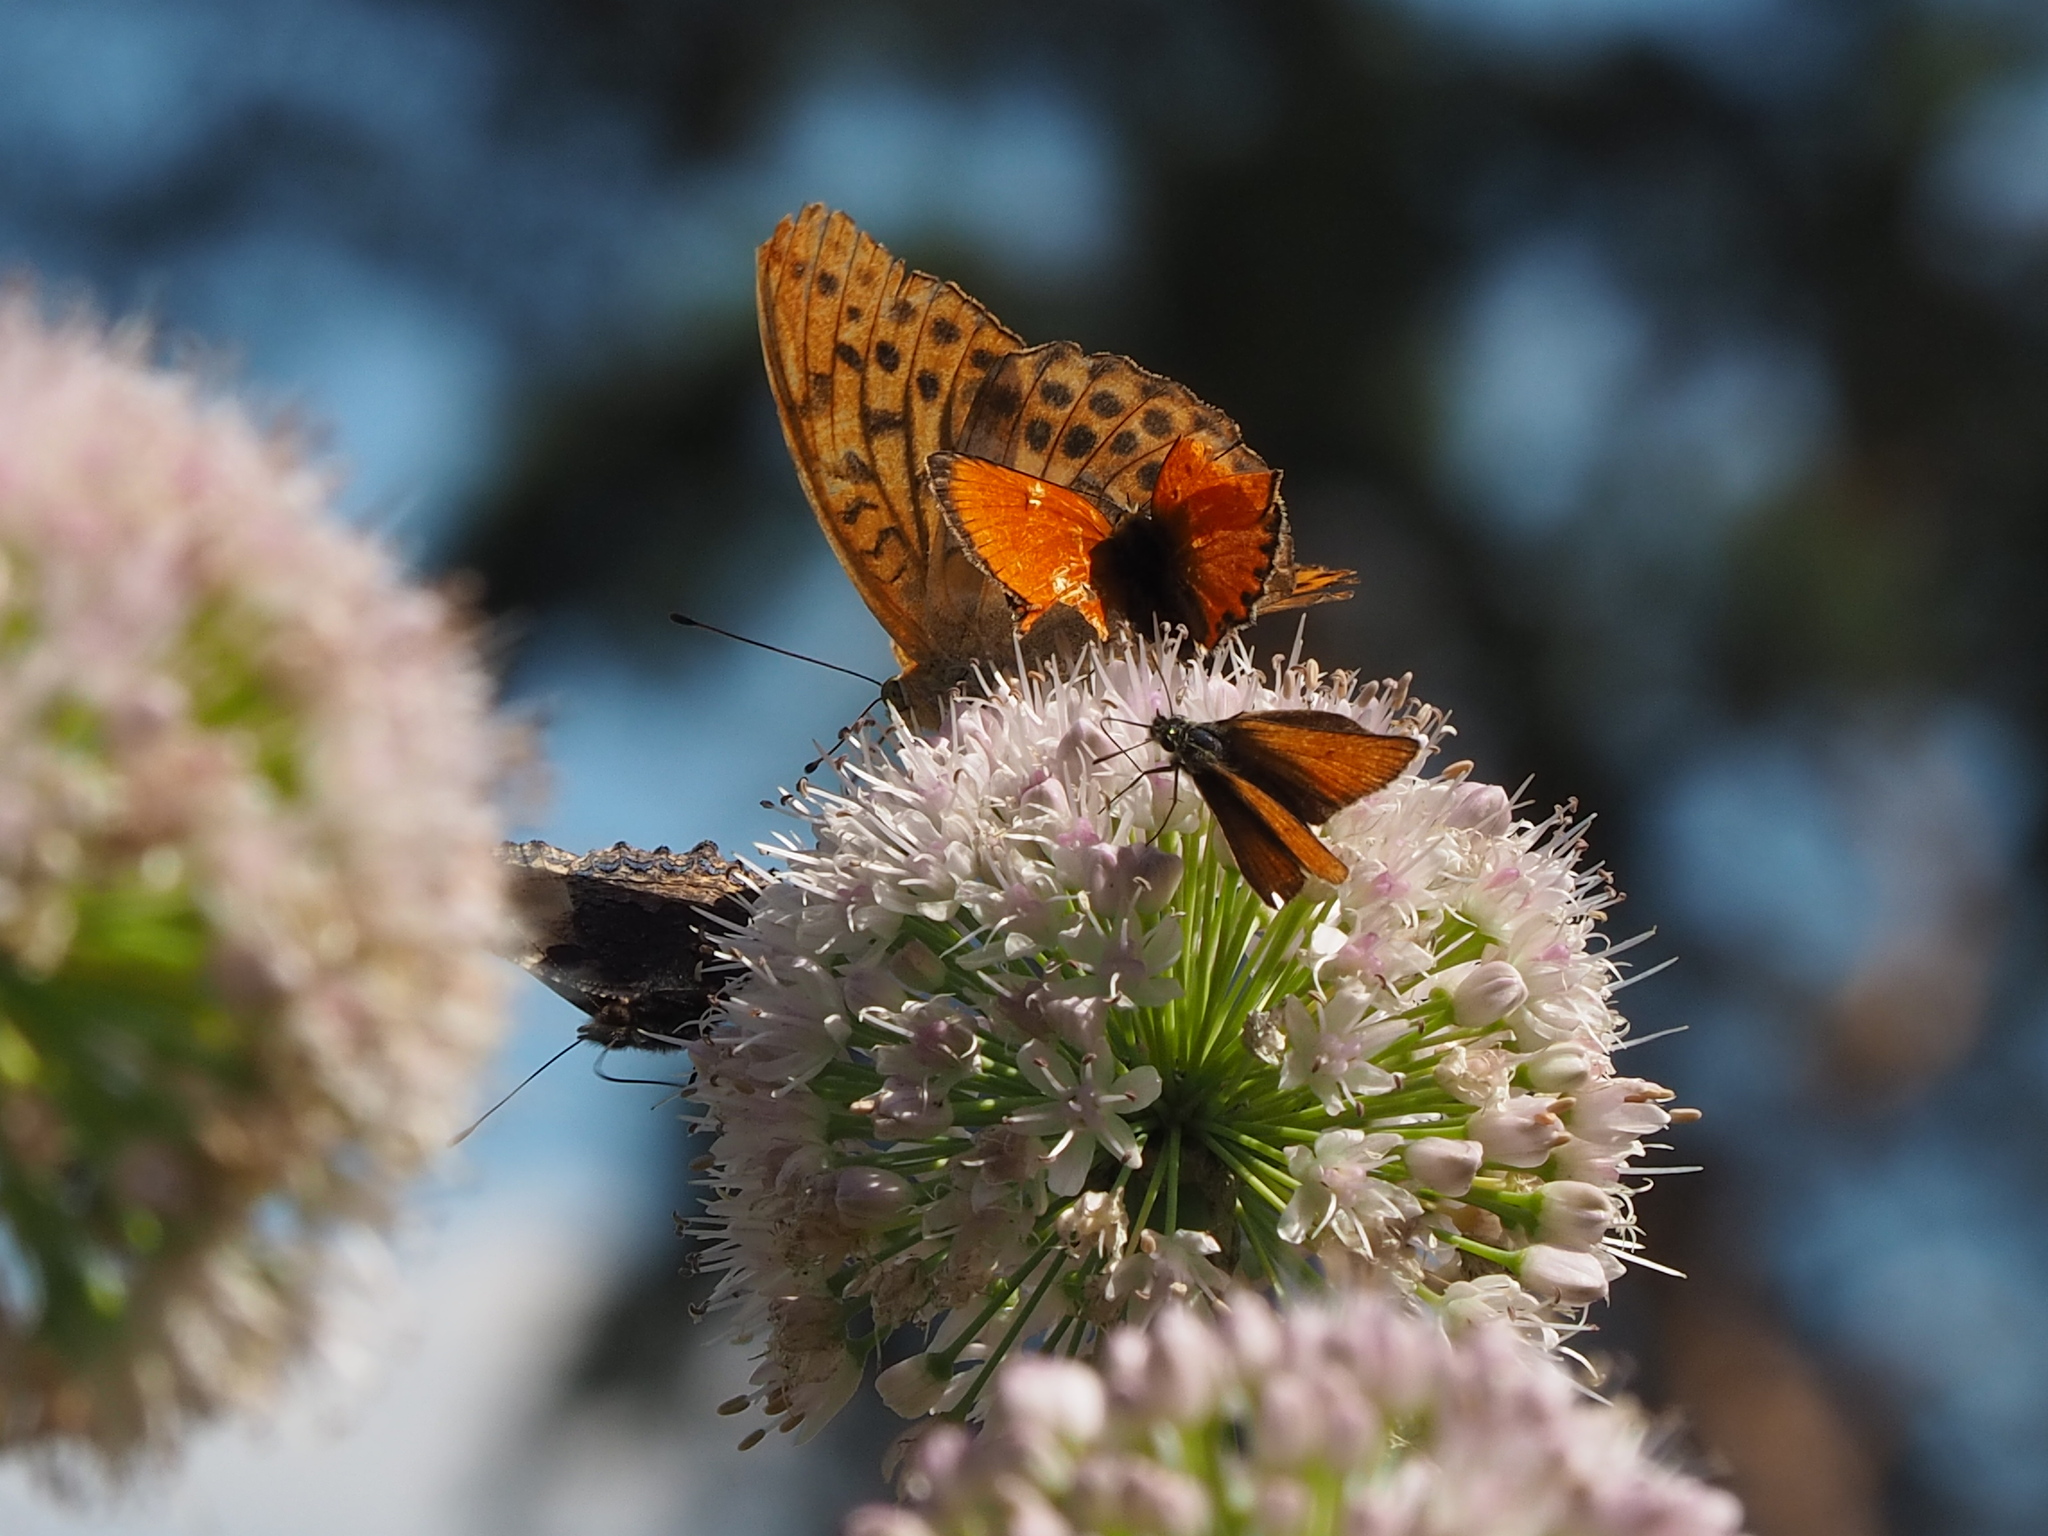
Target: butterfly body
1266 775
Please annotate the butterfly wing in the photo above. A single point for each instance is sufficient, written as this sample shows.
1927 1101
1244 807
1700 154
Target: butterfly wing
1095 422
1222 529
1273 849
1036 538
1313 761
874 368
1310 584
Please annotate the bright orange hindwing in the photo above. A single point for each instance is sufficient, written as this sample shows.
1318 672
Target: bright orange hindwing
1036 538
1226 533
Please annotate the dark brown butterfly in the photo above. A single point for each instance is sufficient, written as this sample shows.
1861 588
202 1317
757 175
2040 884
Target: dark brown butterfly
1268 774
875 368
625 934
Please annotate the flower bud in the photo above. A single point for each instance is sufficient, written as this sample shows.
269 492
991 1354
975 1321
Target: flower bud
1282 1506
906 1108
1061 1399
916 966
913 1388
1289 1428
1481 808
1446 1166
870 1198
885 1520
1562 1274
1520 1133
1559 1068
1574 1215
1490 992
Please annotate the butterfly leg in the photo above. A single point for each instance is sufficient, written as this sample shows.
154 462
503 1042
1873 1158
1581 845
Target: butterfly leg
1143 775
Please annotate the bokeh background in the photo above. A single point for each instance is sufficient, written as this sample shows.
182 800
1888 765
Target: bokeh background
1675 371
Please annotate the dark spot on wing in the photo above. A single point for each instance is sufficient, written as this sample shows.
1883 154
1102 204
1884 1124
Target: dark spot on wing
1205 421
1001 401
1156 421
887 355
1038 433
1054 393
845 353
1125 442
1148 475
927 385
1078 443
944 331
827 283
981 358
857 468
881 421
854 311
1104 362
852 513
1105 404
901 311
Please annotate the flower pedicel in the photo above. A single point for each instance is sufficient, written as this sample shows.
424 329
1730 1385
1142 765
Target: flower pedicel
1015 1054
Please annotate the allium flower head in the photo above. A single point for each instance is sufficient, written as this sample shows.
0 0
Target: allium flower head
1017 1055
246 889
1358 1416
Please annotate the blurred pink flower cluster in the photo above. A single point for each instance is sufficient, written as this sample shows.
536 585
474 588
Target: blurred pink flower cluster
1356 1415
247 887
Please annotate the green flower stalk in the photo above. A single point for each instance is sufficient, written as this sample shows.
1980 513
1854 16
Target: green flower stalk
1017 1055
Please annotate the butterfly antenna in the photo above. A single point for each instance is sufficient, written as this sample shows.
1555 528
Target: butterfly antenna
536 1072
642 1082
831 666
1119 752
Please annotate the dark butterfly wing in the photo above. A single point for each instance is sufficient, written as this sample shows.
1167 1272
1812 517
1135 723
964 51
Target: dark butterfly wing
624 934
1222 532
1313 761
1274 851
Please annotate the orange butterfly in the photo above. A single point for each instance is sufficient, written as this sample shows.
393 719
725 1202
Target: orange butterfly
1201 554
876 368
1267 774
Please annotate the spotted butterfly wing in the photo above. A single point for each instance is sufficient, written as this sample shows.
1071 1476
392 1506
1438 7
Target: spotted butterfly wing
1103 426
874 367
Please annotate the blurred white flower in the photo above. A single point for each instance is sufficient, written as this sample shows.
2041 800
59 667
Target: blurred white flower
1099 1073
1359 1415
247 891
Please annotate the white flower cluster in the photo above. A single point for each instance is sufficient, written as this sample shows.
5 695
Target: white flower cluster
1017 1055
247 889
1360 1418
